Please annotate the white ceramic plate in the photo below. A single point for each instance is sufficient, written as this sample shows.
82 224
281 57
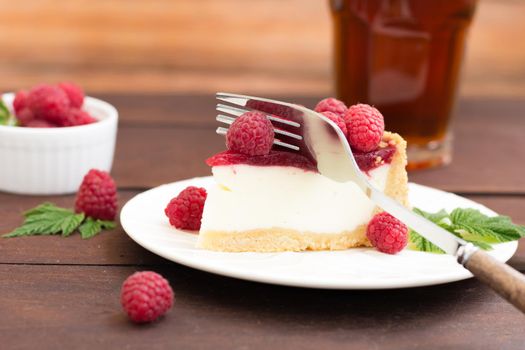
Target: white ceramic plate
364 268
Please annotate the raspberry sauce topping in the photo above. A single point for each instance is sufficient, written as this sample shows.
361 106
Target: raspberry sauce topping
370 160
274 158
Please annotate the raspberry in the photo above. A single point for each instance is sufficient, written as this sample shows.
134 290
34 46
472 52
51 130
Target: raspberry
49 103
77 117
336 119
25 116
365 127
386 233
97 196
185 210
251 134
37 123
74 93
333 105
145 296
20 101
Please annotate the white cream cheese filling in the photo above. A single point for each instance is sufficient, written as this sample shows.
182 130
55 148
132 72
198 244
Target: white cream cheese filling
257 197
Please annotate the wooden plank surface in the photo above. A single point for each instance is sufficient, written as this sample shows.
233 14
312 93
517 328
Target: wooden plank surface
77 307
271 46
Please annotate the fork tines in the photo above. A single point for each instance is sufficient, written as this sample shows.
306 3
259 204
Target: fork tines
275 120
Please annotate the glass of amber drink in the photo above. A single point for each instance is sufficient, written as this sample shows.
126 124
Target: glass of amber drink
404 58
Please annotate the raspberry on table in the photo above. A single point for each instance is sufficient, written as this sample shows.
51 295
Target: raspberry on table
333 105
185 211
365 126
97 196
337 120
77 117
74 93
251 134
49 103
146 296
20 101
387 234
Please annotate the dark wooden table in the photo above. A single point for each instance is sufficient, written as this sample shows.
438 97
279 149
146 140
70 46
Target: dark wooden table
64 292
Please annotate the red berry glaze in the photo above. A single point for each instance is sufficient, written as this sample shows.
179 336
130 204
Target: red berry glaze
331 104
97 196
274 158
365 126
185 210
386 233
146 296
74 93
251 134
49 103
336 119
20 101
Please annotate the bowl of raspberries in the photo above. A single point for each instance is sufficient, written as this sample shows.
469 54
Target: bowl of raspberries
51 135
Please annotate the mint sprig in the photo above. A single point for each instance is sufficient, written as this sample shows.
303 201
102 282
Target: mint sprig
470 225
6 117
48 219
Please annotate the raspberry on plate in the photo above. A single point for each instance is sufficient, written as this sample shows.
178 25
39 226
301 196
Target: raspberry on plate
49 103
74 93
331 104
146 296
365 126
185 211
336 119
251 134
387 234
97 196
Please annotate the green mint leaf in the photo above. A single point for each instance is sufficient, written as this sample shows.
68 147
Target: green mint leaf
471 225
47 219
418 242
6 118
474 226
91 227
434 217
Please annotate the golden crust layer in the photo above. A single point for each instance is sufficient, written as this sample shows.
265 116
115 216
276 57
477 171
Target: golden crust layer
278 240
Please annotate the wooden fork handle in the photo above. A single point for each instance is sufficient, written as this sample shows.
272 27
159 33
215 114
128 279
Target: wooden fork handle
506 281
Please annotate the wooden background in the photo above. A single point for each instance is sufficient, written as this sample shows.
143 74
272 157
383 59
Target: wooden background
280 47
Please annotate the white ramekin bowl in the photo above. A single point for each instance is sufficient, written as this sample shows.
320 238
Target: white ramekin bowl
46 161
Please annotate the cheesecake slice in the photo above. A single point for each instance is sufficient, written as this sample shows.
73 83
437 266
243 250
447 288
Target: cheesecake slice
279 201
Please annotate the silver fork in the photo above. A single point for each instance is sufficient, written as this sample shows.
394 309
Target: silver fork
300 129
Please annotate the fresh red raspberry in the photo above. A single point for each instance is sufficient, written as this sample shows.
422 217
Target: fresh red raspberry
251 134
77 117
49 103
20 101
386 233
74 93
146 296
25 116
97 196
365 126
336 119
185 210
38 123
333 105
